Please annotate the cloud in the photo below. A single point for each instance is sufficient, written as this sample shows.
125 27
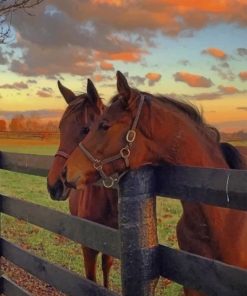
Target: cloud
76 36
184 62
106 66
228 90
98 77
242 108
222 91
193 80
153 78
74 50
32 81
16 85
224 71
242 52
37 61
243 75
45 92
170 17
125 56
215 52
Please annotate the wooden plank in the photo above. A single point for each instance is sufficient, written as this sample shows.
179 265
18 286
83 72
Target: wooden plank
210 186
88 233
209 276
219 187
37 165
10 288
60 278
139 241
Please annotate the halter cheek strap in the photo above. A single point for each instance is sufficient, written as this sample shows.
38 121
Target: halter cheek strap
124 153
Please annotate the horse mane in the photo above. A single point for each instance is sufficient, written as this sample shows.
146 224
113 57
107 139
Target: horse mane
186 108
232 156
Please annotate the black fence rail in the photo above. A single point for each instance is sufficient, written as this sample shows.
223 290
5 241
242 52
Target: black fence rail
143 260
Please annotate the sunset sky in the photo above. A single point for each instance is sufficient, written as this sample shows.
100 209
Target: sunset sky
186 49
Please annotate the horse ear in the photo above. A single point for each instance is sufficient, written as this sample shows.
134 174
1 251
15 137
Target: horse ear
92 92
122 85
68 94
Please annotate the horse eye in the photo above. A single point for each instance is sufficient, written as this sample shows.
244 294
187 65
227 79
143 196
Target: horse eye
104 126
85 130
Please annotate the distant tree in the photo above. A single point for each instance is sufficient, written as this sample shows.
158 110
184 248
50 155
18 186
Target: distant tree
7 9
33 124
52 126
3 125
18 123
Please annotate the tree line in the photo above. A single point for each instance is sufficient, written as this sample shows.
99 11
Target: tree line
20 123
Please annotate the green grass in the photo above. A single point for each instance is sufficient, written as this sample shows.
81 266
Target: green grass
61 250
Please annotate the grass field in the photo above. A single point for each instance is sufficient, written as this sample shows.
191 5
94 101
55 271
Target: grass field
54 247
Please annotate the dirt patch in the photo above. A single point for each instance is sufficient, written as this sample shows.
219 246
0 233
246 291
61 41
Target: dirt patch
27 281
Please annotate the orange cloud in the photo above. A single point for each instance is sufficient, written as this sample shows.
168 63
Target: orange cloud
215 52
170 16
124 56
108 2
106 66
243 75
98 77
153 78
228 89
193 80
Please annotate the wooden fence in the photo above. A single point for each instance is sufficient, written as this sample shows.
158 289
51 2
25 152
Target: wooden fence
31 135
143 260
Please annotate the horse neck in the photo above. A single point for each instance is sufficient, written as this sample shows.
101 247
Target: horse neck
179 140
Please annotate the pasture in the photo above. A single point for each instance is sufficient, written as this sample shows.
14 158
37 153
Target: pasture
53 247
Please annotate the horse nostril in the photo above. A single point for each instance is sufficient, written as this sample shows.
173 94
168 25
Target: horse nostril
57 190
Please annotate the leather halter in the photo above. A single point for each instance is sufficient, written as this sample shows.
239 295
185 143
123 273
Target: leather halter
124 153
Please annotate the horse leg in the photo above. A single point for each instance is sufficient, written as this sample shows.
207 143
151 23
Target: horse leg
193 236
90 257
107 262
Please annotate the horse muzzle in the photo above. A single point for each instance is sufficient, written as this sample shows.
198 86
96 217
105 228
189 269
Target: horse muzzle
59 191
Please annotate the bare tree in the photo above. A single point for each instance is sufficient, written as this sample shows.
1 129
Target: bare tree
7 8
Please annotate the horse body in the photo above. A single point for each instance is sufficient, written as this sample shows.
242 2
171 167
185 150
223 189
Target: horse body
171 132
93 203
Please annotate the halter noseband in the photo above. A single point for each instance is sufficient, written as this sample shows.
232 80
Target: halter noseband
124 153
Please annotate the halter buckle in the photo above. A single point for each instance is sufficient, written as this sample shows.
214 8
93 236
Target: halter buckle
97 165
131 135
108 182
125 152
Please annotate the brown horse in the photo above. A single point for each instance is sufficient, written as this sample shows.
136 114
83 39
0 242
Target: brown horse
139 128
93 203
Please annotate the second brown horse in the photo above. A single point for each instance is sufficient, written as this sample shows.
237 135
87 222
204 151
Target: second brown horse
96 204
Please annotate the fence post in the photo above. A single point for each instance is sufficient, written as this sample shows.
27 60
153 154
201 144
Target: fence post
138 233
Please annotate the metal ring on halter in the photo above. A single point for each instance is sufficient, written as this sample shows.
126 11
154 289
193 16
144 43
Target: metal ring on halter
125 152
97 165
110 180
131 135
